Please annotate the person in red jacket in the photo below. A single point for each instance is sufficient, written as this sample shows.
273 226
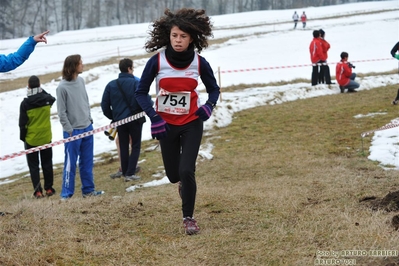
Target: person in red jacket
324 75
316 56
303 19
344 75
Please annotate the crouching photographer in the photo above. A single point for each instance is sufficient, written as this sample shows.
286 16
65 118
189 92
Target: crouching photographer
344 75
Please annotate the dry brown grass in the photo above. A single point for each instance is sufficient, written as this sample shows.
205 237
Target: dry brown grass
285 182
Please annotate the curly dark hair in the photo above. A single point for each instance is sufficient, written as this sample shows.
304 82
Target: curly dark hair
191 21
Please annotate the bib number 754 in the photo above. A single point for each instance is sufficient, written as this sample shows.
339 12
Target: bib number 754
177 103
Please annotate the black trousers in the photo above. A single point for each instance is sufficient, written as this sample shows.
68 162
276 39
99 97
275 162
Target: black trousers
179 153
315 74
324 75
46 159
125 132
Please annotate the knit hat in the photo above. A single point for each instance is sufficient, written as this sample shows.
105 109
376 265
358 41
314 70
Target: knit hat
33 82
321 32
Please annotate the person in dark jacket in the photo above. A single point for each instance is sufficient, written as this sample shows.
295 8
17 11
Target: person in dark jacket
35 130
14 60
395 54
119 102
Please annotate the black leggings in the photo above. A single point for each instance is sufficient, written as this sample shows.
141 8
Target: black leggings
179 153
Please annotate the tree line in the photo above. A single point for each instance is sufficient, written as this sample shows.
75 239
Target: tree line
21 18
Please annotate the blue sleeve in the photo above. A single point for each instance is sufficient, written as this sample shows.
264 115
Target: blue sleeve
209 81
142 92
106 103
14 60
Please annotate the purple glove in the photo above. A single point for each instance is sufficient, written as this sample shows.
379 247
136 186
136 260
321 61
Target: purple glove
159 127
204 112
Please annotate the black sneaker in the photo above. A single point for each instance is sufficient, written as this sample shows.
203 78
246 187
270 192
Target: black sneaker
395 102
116 175
351 91
342 89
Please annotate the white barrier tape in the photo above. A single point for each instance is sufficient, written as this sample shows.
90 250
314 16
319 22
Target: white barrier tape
46 146
294 66
387 126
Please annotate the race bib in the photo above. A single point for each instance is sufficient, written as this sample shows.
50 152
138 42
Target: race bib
176 103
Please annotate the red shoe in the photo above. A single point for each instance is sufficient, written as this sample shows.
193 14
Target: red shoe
191 226
50 192
38 194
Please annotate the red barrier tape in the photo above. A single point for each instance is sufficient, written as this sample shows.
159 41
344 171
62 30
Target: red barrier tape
293 66
46 146
387 126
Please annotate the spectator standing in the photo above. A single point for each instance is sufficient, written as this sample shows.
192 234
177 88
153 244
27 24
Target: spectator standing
324 75
303 19
75 117
35 130
14 60
119 102
177 120
395 54
344 75
295 17
316 56
119 173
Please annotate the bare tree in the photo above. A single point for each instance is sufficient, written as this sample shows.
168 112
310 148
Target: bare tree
22 17
35 15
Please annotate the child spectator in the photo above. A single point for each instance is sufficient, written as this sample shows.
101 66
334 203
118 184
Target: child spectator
35 130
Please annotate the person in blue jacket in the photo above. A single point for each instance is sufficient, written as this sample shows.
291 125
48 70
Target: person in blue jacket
119 102
14 60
